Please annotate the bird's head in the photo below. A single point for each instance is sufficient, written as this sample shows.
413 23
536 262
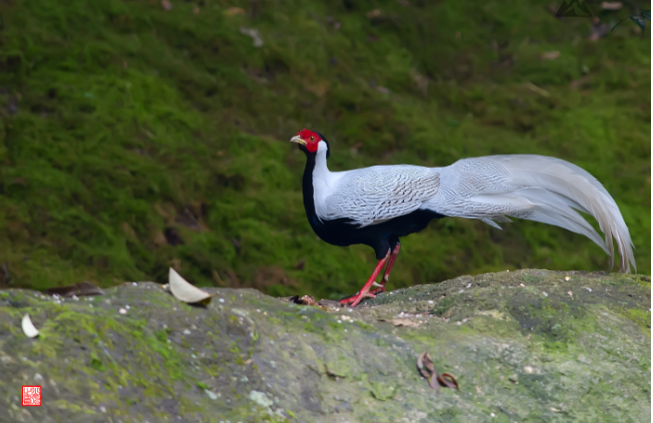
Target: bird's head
311 142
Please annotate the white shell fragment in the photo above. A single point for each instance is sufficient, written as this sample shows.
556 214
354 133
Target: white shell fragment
28 327
184 291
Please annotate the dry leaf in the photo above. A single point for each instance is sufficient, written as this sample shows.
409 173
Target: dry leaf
308 300
550 55
184 291
434 381
28 327
449 381
305 300
232 11
424 364
427 371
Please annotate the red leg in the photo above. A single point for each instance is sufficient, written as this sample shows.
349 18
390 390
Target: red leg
365 291
388 269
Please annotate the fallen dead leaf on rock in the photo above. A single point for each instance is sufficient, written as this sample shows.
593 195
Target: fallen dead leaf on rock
184 291
425 365
447 380
434 381
311 301
427 371
28 327
305 300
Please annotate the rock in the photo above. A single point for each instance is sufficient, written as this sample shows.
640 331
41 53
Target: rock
247 357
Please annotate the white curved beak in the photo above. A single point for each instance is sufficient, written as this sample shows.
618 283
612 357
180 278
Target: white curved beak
297 139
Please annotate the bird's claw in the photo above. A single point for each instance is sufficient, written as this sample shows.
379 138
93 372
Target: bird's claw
354 300
377 290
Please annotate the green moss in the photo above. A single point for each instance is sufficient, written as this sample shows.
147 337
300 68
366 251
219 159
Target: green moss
641 317
644 281
95 362
162 334
382 391
365 326
131 122
444 305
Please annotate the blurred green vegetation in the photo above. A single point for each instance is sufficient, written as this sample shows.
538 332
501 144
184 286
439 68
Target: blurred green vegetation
136 135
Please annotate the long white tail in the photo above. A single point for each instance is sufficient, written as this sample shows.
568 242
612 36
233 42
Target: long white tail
539 188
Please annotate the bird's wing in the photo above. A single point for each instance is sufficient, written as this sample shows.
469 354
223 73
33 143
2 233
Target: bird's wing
380 193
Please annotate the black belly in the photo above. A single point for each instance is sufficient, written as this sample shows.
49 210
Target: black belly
381 237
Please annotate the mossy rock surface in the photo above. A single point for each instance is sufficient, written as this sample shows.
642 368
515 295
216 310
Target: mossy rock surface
569 346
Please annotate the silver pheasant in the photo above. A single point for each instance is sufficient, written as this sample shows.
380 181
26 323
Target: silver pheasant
378 205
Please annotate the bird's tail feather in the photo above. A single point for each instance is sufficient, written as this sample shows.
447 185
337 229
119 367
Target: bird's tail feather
547 190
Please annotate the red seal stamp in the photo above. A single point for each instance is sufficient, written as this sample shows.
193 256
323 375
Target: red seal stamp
31 396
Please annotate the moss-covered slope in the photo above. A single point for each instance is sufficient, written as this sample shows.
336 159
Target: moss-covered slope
133 137
526 346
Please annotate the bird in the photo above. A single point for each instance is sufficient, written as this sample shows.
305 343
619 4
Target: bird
378 205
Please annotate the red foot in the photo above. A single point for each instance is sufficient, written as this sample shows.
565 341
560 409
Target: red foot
365 291
353 298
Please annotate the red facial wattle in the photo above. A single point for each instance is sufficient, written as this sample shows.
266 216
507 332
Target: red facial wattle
312 139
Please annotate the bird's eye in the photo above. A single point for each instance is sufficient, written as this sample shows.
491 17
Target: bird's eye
312 137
